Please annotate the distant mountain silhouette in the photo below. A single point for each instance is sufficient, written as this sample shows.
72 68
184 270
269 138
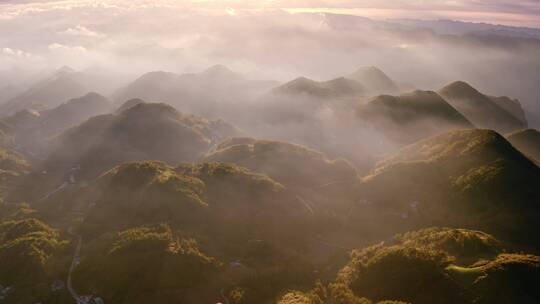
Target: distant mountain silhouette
483 111
129 104
411 116
31 129
363 82
375 81
221 73
147 131
73 112
335 88
461 28
512 106
48 93
144 131
212 93
527 141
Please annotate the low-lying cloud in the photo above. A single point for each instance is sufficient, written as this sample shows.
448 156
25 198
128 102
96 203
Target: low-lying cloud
130 38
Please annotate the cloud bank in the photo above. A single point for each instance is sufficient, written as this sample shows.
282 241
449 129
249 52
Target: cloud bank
262 41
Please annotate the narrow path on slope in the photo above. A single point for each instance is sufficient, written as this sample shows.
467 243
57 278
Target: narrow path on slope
74 263
60 188
70 180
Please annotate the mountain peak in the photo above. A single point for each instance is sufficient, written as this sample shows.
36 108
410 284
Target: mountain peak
66 69
335 88
151 110
156 76
460 86
297 85
527 141
63 71
93 95
303 80
480 109
375 80
129 104
369 69
221 71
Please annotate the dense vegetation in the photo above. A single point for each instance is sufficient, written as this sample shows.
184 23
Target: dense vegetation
438 264
290 164
145 264
143 132
471 178
32 255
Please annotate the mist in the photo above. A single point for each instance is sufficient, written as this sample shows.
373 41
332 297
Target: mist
275 152
123 42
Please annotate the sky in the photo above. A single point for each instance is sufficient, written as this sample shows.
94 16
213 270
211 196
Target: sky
507 12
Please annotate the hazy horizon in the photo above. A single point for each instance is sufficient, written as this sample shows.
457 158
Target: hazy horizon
504 12
265 40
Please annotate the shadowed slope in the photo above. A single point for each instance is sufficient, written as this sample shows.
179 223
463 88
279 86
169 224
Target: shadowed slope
480 109
142 132
48 93
412 116
527 141
332 89
375 81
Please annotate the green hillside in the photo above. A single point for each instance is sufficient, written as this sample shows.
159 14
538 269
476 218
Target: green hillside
33 255
472 178
437 264
144 132
145 264
319 183
234 213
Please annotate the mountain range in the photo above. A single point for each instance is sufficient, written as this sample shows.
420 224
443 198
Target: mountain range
214 188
